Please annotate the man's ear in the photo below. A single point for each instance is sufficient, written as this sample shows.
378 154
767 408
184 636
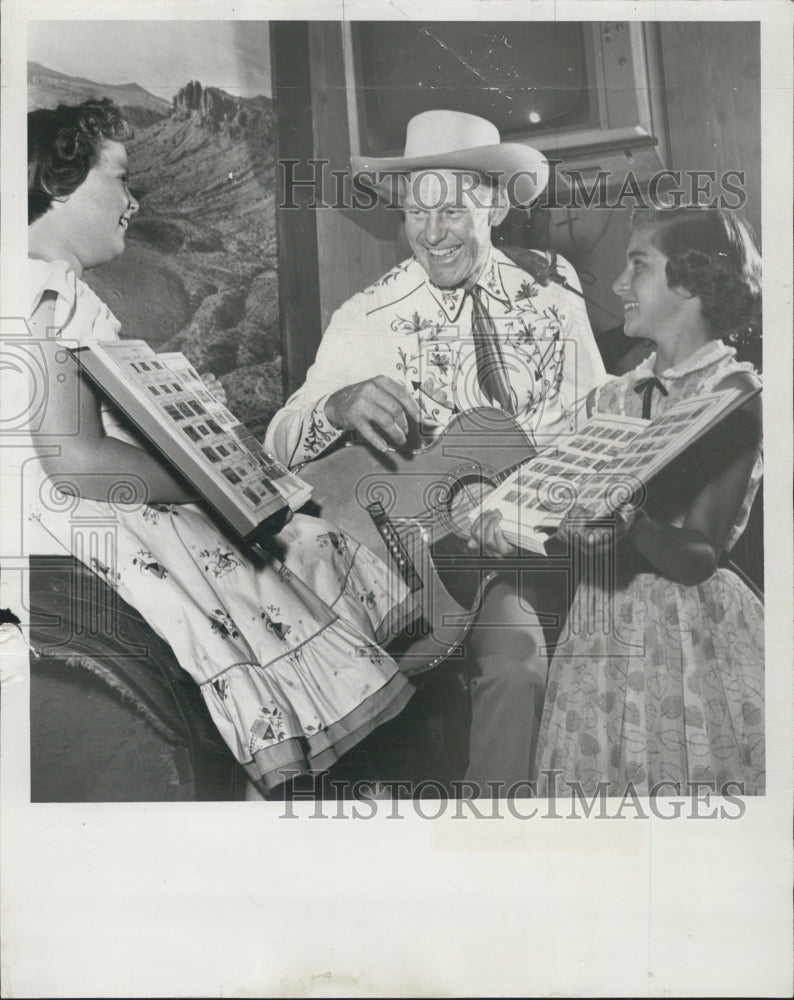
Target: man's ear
500 206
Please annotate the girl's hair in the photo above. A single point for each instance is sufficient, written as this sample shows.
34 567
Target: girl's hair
713 254
64 144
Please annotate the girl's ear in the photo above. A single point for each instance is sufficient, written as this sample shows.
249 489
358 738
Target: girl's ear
58 199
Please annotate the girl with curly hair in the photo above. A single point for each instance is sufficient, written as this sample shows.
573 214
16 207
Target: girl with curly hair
663 683
658 680
284 649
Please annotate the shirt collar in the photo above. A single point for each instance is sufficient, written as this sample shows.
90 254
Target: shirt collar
708 354
490 280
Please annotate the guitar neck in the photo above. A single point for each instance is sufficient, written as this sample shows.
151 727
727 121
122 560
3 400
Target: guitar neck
500 477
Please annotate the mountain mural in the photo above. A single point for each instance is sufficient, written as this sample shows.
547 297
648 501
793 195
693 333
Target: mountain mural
200 273
47 89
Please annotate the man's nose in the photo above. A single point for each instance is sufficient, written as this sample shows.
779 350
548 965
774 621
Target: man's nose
134 205
435 231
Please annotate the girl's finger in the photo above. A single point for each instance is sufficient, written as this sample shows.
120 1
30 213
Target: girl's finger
485 533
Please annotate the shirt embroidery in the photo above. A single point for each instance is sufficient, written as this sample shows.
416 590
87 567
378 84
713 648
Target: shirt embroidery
320 433
408 329
441 370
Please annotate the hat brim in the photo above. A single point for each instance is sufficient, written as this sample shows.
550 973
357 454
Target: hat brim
523 171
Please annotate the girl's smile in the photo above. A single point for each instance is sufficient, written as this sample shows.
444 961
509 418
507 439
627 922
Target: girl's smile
95 217
651 308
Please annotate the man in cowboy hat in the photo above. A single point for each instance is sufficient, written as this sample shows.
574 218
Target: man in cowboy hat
458 325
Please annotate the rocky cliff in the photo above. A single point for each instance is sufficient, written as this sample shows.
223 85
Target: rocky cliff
216 108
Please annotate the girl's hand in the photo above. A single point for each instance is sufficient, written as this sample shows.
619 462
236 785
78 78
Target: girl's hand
214 385
595 536
487 537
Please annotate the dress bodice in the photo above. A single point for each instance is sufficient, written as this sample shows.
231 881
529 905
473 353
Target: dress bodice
700 373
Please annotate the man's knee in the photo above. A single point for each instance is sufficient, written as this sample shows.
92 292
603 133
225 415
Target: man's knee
517 661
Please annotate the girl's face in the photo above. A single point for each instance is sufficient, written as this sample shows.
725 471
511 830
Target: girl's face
98 212
652 310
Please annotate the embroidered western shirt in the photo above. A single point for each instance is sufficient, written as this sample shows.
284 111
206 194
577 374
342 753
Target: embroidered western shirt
405 327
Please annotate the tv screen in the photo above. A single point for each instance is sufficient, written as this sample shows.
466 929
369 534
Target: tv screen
527 78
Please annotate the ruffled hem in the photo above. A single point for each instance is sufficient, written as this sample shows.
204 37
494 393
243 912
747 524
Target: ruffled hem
315 752
277 665
302 711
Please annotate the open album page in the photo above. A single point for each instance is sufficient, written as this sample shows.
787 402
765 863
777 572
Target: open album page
294 490
189 415
600 467
538 495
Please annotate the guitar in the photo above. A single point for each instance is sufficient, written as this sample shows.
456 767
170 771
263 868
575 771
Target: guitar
410 506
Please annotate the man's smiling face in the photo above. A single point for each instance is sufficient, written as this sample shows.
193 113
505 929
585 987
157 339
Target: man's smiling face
448 220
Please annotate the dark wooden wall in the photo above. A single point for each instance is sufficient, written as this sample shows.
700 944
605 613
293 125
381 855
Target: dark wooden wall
712 76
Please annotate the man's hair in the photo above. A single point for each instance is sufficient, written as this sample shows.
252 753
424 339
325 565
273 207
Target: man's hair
713 254
63 146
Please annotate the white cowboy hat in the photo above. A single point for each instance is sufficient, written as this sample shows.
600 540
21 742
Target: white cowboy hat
453 140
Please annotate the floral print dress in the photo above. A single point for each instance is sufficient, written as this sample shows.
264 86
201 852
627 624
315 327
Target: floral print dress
283 648
656 682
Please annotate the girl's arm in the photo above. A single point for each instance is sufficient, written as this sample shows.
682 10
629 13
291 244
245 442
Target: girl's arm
73 447
689 554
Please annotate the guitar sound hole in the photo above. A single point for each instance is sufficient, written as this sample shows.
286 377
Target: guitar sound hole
466 494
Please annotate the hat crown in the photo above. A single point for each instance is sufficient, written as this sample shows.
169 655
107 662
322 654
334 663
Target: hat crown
454 140
433 133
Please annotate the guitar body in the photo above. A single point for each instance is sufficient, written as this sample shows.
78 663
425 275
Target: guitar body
422 495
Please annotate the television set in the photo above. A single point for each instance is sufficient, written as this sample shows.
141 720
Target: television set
587 94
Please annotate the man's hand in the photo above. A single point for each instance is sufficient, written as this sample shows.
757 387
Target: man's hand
378 410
